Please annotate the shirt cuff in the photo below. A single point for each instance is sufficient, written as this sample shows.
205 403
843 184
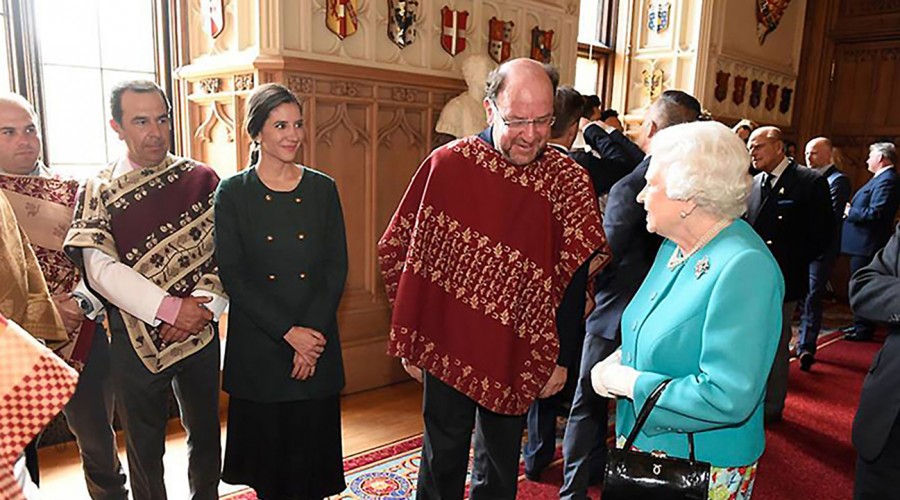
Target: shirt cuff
217 305
168 309
90 304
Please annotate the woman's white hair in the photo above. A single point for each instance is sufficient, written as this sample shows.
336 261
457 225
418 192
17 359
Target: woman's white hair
704 162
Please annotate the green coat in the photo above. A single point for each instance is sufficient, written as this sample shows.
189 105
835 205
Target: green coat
282 258
715 336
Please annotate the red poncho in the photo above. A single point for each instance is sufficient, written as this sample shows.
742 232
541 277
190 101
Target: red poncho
475 262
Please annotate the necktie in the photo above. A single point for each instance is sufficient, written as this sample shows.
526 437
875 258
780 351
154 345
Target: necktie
767 186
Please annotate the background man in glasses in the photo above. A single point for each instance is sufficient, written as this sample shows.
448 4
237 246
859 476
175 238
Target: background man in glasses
476 280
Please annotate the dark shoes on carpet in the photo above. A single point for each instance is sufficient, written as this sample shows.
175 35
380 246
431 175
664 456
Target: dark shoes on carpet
806 361
857 337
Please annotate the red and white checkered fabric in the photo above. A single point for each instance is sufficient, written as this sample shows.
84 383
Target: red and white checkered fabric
34 386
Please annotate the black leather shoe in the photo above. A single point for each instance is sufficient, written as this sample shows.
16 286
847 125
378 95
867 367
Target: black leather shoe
856 337
806 361
533 476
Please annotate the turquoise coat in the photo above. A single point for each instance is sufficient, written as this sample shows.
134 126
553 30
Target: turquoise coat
715 336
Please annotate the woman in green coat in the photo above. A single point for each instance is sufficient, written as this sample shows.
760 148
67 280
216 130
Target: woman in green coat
282 256
707 317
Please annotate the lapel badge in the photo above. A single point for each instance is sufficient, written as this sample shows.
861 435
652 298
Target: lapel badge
701 267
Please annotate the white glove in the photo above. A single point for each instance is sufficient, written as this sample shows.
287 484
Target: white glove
599 368
619 380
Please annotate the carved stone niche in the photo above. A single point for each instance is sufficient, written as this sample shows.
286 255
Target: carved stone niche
243 82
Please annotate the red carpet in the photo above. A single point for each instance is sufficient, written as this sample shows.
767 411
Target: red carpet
808 454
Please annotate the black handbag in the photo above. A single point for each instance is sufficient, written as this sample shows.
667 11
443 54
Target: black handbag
639 475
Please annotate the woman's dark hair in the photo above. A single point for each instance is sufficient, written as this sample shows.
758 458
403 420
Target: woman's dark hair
260 105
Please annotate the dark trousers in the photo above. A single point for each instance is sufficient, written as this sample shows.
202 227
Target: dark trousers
141 400
862 327
877 480
449 418
90 414
584 443
776 385
811 314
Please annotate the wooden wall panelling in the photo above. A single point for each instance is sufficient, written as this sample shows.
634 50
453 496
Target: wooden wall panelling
846 88
369 129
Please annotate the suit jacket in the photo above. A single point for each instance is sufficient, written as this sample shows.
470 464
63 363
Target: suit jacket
712 338
875 295
633 249
839 186
795 221
617 158
870 219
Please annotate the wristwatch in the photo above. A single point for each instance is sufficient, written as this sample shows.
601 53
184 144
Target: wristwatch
86 306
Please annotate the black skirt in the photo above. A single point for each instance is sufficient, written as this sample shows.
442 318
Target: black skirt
289 450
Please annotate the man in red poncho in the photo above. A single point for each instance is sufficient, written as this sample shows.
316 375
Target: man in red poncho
475 262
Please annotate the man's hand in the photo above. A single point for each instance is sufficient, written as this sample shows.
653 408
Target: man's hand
556 382
69 310
306 342
172 334
414 371
192 316
302 369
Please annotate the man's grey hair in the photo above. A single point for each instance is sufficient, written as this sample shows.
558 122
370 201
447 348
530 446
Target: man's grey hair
497 78
674 107
886 149
705 162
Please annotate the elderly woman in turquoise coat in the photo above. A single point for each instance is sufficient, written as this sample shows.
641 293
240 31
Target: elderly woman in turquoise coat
707 316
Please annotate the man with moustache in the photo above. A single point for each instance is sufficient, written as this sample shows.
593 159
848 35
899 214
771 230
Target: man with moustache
790 209
820 157
143 233
475 297
43 204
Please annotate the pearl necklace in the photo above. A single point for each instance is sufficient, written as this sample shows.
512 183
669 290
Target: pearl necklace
678 258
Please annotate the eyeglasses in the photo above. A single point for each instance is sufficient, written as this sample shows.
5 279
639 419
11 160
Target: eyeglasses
542 123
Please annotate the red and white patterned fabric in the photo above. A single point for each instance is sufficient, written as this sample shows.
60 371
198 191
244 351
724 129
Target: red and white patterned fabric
34 386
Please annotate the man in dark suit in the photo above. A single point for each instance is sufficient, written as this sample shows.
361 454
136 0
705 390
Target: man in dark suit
875 295
541 420
820 158
790 209
869 217
633 249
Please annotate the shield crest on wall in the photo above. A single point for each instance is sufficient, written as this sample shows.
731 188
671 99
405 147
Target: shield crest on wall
785 105
658 16
453 30
722 85
213 13
342 17
768 16
402 21
500 39
755 93
771 96
740 88
541 45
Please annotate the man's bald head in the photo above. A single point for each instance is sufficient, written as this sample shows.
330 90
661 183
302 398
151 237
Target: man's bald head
819 152
519 105
20 138
766 148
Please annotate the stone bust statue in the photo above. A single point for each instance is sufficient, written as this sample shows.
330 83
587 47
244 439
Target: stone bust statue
464 115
